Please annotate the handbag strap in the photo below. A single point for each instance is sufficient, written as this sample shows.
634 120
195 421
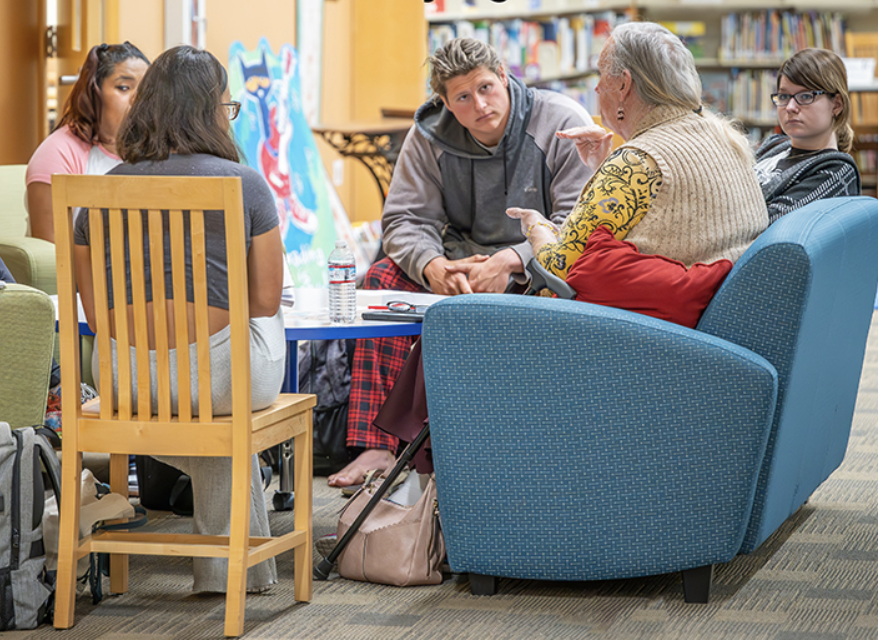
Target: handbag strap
131 524
99 563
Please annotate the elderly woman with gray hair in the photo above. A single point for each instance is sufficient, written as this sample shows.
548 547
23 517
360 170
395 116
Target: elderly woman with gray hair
682 185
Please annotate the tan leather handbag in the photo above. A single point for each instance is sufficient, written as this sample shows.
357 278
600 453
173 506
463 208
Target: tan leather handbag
395 545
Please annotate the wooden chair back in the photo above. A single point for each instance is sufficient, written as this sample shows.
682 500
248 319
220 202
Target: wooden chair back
154 223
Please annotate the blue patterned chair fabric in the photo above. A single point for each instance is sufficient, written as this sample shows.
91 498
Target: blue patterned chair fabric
578 442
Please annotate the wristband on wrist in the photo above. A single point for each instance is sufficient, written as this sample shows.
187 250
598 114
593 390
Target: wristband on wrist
539 224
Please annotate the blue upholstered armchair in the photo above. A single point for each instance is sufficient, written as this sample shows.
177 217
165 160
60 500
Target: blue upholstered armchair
578 442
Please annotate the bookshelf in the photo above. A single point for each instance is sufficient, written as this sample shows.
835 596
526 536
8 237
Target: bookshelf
547 43
738 46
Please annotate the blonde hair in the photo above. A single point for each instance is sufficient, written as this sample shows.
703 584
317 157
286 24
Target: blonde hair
663 73
459 57
823 70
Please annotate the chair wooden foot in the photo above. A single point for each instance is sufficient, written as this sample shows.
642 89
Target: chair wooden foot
119 484
68 541
235 602
696 584
303 479
480 585
303 579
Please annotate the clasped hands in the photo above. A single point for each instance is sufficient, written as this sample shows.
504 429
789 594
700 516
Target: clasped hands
476 274
490 274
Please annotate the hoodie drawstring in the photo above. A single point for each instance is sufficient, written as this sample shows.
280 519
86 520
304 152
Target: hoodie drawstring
472 186
505 182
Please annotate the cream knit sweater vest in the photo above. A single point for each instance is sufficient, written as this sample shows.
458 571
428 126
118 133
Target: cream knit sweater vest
709 205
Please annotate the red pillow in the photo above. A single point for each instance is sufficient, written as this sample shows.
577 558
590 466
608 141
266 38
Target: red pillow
615 274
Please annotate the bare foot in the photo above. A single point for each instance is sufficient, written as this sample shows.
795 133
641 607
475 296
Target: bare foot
355 472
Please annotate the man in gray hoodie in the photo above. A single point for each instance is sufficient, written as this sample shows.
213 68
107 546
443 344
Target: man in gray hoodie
484 143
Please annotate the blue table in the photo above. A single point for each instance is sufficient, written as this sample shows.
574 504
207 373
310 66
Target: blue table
308 319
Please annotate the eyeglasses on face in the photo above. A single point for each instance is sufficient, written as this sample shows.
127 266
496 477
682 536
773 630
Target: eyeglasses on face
802 98
234 108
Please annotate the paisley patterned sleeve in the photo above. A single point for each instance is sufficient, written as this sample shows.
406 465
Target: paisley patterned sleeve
618 196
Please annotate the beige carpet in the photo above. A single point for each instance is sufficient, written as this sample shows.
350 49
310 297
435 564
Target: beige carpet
816 578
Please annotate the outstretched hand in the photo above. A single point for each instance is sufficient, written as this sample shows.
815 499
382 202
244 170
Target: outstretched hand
529 219
534 227
593 143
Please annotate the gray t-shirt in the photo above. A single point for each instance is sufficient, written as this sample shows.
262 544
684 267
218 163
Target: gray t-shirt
260 216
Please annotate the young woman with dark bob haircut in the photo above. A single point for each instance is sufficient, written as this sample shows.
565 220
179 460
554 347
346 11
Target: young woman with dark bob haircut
84 141
811 159
178 125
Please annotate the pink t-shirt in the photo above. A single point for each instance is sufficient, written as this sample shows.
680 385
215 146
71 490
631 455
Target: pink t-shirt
63 152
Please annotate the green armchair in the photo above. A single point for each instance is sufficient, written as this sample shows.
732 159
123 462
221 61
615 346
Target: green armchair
31 260
28 320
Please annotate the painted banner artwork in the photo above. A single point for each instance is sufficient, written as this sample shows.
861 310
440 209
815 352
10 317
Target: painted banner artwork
277 141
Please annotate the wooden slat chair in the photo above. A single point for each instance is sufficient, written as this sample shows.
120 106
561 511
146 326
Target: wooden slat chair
136 206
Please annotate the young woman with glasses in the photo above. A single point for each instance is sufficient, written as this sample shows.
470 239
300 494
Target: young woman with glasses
178 125
84 142
811 160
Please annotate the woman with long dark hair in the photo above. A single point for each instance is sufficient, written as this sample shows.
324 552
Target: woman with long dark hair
178 125
84 141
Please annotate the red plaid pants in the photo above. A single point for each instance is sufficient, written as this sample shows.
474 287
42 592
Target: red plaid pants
377 364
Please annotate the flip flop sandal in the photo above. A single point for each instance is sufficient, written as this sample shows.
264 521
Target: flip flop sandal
374 475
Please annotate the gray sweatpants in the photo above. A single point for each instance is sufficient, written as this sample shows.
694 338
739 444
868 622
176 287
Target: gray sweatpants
211 477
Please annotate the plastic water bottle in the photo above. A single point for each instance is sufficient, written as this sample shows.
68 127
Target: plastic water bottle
342 285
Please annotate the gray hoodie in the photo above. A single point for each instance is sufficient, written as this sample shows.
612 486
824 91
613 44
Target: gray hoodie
449 194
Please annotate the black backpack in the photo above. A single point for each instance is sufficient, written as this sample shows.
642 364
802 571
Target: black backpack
325 370
27 590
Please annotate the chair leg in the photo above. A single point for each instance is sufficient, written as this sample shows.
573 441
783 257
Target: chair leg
480 585
302 515
696 584
119 484
239 545
68 539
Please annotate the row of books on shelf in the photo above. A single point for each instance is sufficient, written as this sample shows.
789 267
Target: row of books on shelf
774 35
581 90
537 50
744 94
867 161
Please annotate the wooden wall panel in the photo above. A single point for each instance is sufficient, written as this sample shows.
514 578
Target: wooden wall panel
248 22
22 68
336 101
142 24
389 47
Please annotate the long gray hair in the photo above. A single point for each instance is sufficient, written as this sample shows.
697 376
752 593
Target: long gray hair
663 73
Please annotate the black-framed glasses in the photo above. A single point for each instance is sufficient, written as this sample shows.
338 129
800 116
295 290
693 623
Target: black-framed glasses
406 306
803 98
234 109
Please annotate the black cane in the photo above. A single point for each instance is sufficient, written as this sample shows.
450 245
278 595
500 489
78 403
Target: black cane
321 571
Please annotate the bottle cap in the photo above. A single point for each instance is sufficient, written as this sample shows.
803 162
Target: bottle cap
340 243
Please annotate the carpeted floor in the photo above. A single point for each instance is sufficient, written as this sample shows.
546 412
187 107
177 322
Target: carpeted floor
816 578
